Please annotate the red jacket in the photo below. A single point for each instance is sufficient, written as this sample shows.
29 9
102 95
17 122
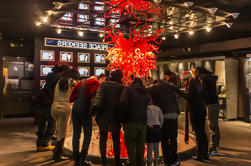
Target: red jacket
91 86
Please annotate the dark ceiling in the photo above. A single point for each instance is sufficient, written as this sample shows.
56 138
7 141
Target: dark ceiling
17 19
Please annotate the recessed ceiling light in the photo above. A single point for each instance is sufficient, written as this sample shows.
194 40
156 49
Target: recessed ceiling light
176 36
80 33
59 30
208 29
191 32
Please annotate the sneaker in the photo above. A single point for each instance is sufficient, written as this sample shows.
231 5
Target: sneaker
213 153
176 164
45 148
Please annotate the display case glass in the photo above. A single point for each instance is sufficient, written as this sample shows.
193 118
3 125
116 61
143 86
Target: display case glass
99 70
83 57
84 71
99 58
66 56
47 55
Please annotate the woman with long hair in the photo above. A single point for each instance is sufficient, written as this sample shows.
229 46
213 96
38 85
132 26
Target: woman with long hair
61 110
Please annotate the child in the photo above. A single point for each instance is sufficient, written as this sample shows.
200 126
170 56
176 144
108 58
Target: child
153 134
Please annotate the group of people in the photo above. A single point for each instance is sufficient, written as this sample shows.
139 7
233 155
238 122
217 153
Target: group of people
147 113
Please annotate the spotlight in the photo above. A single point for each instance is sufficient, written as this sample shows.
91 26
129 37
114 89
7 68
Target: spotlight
101 35
58 5
163 38
44 19
59 31
212 10
80 33
176 36
191 32
208 29
235 15
38 23
229 24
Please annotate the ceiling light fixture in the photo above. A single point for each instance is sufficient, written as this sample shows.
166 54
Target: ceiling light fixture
212 10
191 32
163 38
80 33
49 12
59 30
235 15
38 23
44 19
101 35
176 36
208 29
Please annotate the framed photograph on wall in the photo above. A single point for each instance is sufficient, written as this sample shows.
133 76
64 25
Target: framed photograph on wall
99 58
45 70
47 55
83 57
99 70
84 71
66 56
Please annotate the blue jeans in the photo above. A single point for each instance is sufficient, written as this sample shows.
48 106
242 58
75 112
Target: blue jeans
46 127
78 124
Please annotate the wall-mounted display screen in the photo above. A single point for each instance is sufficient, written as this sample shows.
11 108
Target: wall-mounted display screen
66 56
83 57
84 71
99 58
99 70
83 18
83 6
68 17
99 8
45 70
99 21
47 55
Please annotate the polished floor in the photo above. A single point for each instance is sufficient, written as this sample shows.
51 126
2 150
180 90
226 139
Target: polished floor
17 142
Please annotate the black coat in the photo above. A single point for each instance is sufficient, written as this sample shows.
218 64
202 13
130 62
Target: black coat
164 96
133 105
106 104
209 83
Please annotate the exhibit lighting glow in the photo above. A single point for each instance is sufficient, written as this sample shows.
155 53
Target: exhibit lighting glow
45 19
38 23
59 31
176 36
101 35
163 38
191 32
80 33
208 29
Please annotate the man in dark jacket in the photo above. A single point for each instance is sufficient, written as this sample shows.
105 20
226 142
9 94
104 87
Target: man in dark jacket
82 95
134 101
212 106
106 107
163 95
47 124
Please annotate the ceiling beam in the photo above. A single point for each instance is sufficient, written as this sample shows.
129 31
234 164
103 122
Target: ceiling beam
223 46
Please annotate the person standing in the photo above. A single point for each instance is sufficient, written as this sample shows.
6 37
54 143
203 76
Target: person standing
106 107
61 111
153 136
195 95
47 125
82 95
133 114
212 106
164 96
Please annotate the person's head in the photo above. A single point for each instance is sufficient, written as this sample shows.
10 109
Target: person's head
202 72
137 82
62 69
94 77
71 73
186 76
116 75
101 78
167 74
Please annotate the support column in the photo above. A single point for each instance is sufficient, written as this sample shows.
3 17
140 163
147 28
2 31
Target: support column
1 78
231 88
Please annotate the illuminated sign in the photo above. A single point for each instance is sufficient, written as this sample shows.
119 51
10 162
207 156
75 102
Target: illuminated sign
52 42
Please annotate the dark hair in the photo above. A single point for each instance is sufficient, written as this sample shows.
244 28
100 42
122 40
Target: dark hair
202 70
168 72
116 76
63 68
137 82
63 82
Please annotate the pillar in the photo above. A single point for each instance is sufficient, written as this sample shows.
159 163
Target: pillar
231 88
